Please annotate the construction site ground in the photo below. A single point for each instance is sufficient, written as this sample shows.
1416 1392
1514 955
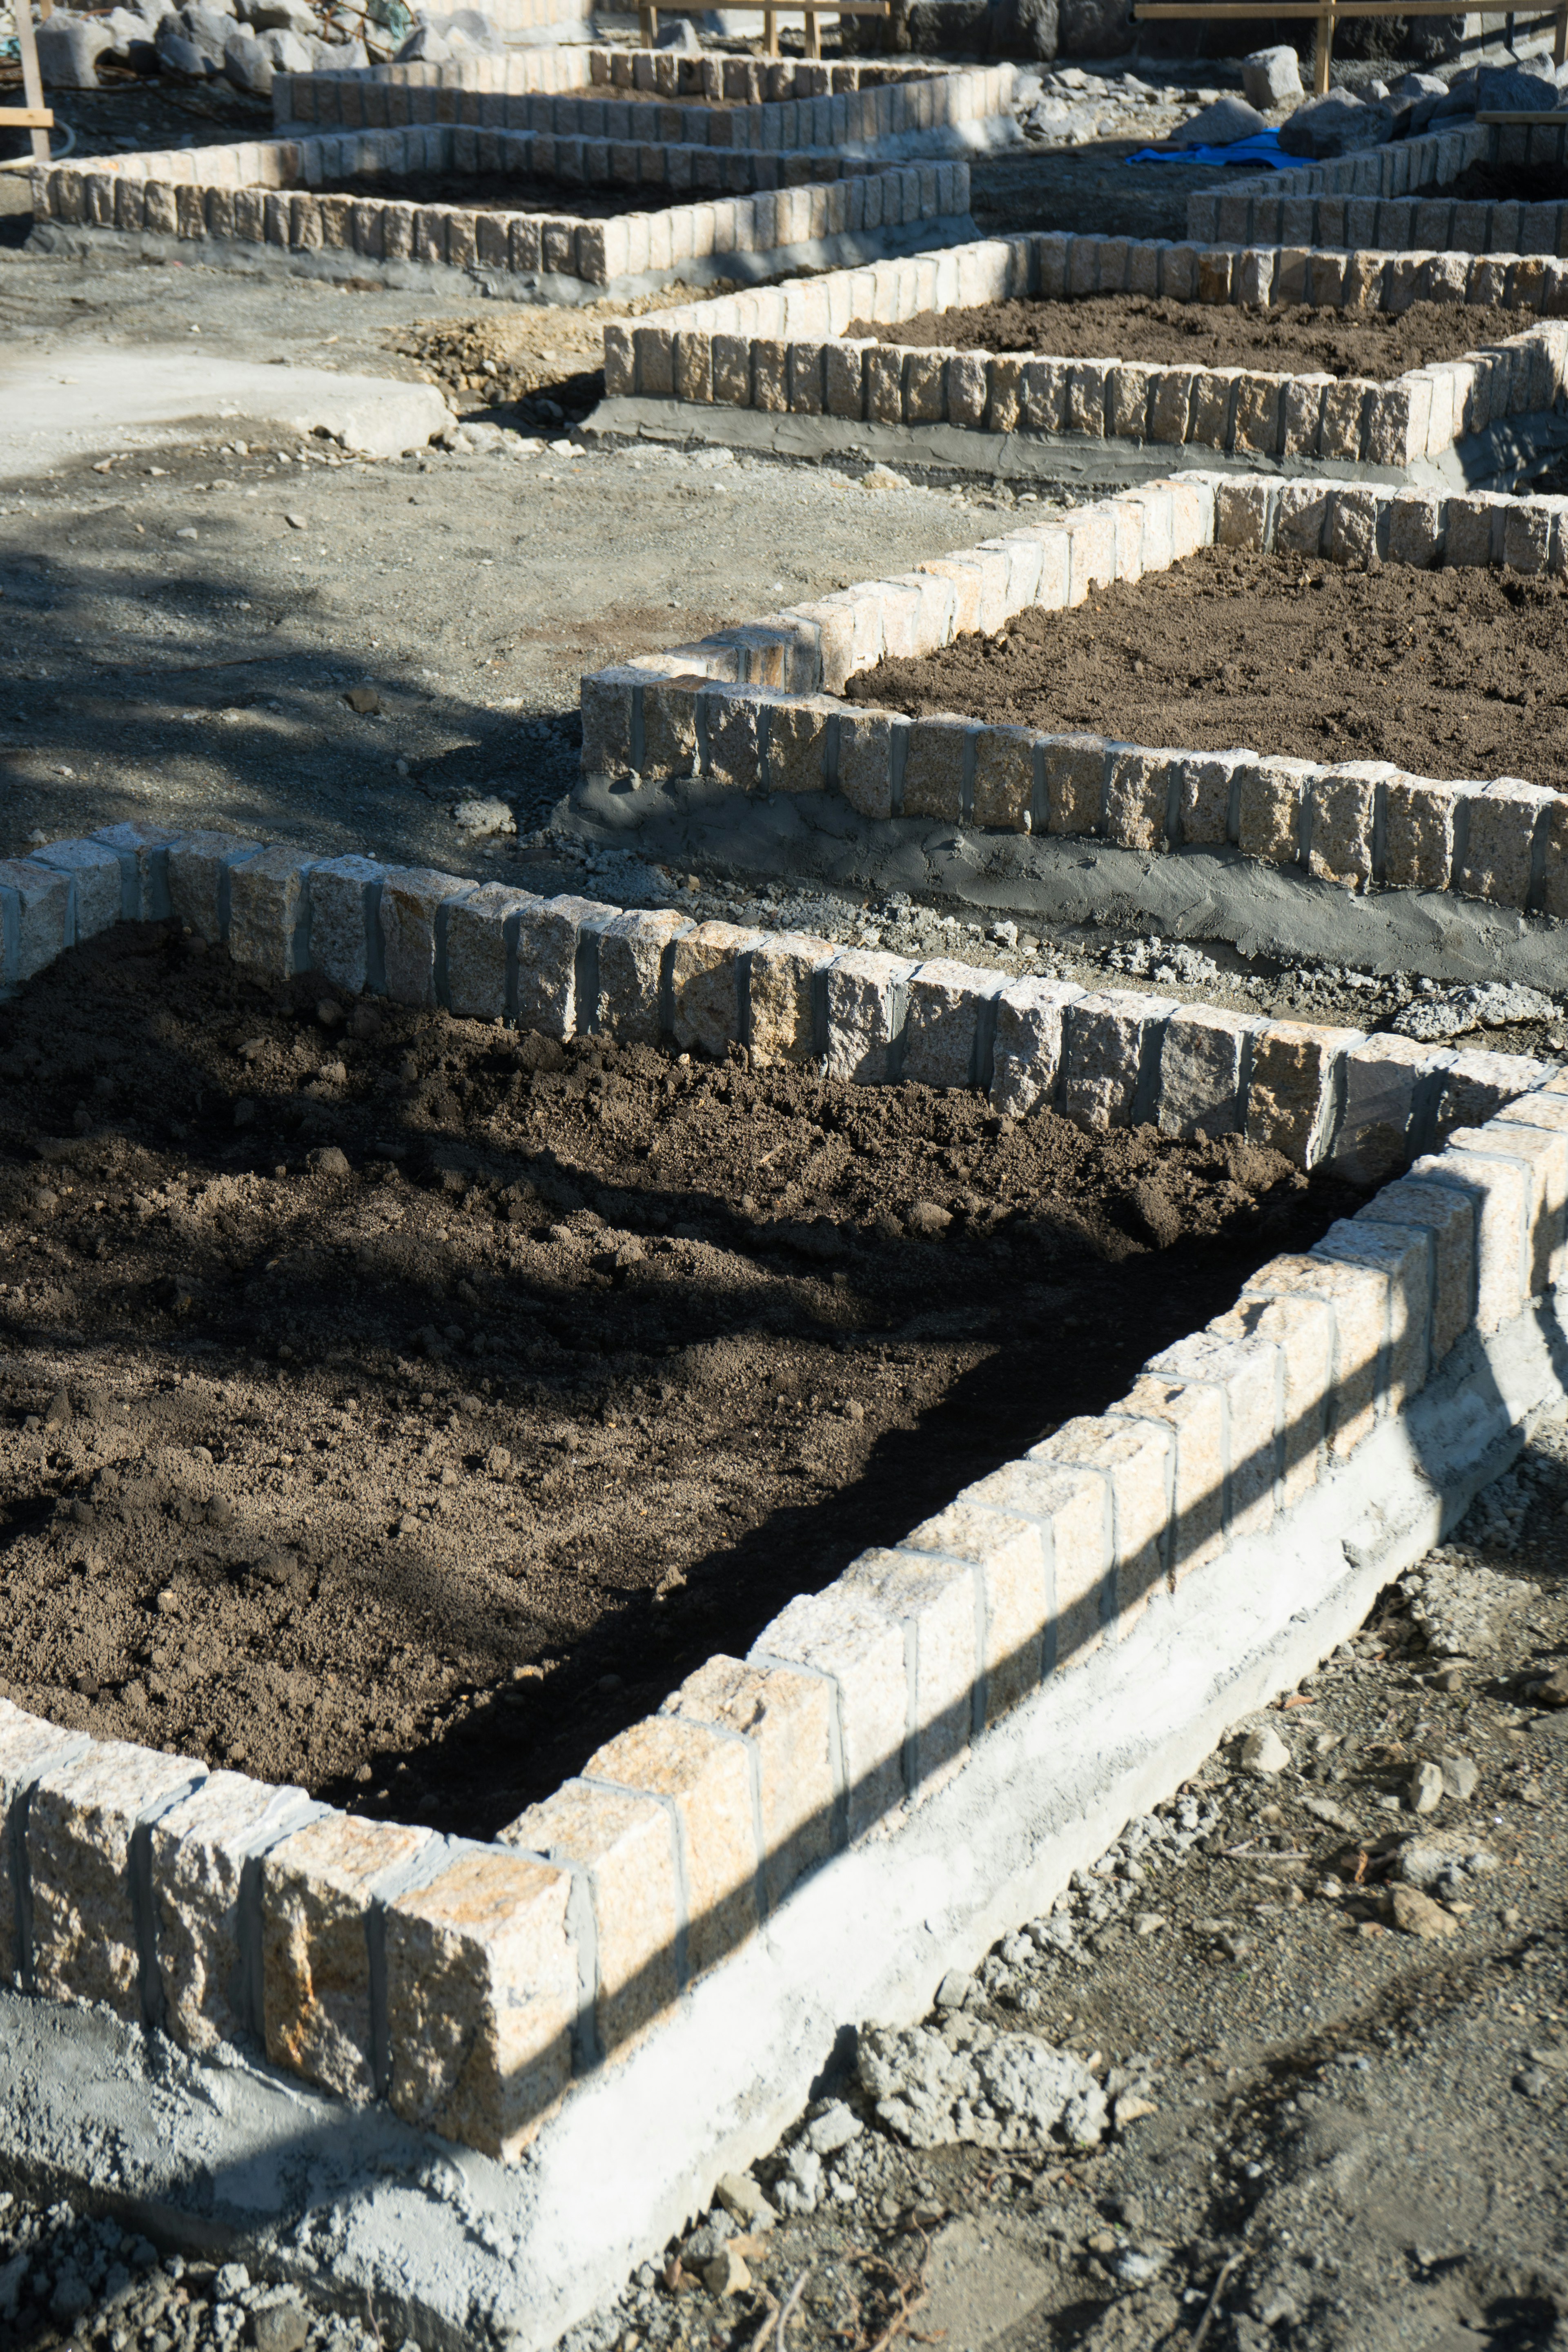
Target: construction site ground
1351 2126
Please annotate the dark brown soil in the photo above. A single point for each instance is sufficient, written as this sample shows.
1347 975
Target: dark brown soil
1503 184
413 1475
1209 334
1461 673
501 191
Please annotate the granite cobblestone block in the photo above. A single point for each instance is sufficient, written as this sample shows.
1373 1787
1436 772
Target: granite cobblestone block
1447 1217
482 1994
1135 1461
269 919
936 1605
322 1888
1402 1255
705 1781
629 1928
1008 1558
93 870
1027 1049
201 1851
84 1815
28 1748
787 1723
1542 1153
1112 1044
1247 1377
1293 1098
949 1024
36 907
1357 1298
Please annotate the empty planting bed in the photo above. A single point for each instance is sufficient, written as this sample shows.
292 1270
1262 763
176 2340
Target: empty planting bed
1490 188
628 217
918 1739
1287 340
961 694
1055 355
881 107
1455 672
414 1472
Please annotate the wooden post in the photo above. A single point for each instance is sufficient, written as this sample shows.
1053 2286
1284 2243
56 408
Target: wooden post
1322 53
1559 46
650 18
813 37
35 117
770 32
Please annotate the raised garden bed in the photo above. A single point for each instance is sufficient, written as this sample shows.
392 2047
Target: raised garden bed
414 1479
1453 672
269 202
766 105
716 707
478 1989
825 351
1291 340
1412 194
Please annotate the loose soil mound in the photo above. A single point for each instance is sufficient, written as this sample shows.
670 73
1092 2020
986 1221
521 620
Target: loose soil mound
1502 183
414 1474
1461 673
498 191
1296 342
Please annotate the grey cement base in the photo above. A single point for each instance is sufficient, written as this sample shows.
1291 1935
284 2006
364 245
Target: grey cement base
1067 461
338 267
1199 894
458 2251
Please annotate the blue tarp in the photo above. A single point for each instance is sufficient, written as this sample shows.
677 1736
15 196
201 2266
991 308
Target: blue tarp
1262 150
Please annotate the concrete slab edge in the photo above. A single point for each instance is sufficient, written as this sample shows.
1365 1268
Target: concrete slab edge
1069 463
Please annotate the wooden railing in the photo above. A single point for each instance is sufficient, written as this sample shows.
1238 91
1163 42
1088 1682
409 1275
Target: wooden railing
772 11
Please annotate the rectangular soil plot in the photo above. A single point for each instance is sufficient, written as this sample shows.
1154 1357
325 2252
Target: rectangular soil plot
1040 683
1452 672
629 214
401 1406
1053 344
1472 188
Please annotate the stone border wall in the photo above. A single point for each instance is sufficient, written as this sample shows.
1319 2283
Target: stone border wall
259 193
1366 200
471 1985
765 106
758 706
785 348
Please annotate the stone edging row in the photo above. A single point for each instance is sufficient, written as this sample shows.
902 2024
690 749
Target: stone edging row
770 105
757 707
1366 200
784 349
471 1985
259 193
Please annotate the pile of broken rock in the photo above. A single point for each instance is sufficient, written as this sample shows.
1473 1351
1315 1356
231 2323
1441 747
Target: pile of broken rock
246 42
